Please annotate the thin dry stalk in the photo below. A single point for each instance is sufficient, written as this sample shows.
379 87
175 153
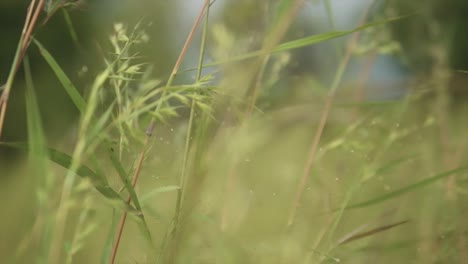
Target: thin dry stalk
268 46
323 120
123 218
29 24
258 70
149 132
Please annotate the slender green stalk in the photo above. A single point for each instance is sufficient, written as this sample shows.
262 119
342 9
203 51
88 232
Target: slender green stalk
183 177
188 142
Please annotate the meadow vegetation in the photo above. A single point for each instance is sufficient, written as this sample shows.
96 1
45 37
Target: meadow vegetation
237 159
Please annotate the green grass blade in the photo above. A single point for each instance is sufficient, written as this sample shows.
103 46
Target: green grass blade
108 243
65 161
407 189
36 139
67 84
157 191
99 182
98 129
38 157
393 163
124 178
71 28
307 41
314 39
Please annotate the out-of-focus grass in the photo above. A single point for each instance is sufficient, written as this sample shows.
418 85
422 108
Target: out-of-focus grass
377 164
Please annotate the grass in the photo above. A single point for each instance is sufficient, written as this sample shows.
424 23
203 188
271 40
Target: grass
201 172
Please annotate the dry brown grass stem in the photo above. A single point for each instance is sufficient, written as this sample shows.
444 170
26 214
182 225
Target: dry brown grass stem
269 44
256 79
323 120
29 24
149 132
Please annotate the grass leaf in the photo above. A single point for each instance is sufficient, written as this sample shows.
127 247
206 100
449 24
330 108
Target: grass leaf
407 189
67 84
99 181
307 41
157 191
124 178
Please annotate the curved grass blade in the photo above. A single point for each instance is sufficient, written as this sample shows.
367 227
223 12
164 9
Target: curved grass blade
124 178
372 232
36 138
38 157
306 41
99 181
157 191
408 188
67 84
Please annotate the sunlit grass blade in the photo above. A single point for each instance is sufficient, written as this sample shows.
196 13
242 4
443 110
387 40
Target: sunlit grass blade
134 198
67 84
409 188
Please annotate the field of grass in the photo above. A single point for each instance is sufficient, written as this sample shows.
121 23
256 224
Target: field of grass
241 164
